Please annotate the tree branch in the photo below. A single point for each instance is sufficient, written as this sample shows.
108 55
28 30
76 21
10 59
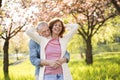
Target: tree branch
79 32
2 37
102 22
16 31
10 27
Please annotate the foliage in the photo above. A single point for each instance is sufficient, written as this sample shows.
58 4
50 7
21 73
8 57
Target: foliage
12 22
105 34
108 33
76 45
111 47
91 15
116 24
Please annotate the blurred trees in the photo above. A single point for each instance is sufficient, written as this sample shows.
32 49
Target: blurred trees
17 15
12 22
19 44
91 16
7 35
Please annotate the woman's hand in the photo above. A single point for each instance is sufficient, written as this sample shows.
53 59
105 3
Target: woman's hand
52 63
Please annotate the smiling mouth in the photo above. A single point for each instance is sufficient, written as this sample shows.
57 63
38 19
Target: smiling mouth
57 29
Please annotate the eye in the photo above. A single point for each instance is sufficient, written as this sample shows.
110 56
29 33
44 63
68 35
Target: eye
55 25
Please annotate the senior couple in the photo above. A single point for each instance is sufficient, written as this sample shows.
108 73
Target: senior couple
48 49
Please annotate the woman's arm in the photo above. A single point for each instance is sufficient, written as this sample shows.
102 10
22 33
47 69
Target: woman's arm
32 33
72 30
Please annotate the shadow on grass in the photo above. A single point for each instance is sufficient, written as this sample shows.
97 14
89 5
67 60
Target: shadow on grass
17 62
112 60
102 58
108 58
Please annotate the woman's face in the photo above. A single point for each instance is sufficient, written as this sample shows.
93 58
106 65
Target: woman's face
57 28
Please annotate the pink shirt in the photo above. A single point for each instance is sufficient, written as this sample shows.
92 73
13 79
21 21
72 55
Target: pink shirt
53 52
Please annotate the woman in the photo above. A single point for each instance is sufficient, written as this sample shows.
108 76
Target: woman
54 48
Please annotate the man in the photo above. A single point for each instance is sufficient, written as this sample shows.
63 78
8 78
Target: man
34 49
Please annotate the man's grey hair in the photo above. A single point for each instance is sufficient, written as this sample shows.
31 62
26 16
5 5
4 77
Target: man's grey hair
40 24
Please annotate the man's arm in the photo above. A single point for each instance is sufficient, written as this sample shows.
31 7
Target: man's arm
57 63
34 58
65 59
67 56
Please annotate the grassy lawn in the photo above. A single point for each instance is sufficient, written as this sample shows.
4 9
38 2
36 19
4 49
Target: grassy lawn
106 66
22 71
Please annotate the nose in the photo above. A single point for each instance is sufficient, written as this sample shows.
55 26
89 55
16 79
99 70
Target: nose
47 33
58 26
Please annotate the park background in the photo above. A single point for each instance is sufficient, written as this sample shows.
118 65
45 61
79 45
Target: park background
94 49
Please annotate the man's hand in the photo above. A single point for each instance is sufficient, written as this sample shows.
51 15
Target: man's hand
53 63
57 63
62 60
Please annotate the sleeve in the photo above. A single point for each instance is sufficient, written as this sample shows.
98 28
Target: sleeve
31 32
67 56
34 58
71 32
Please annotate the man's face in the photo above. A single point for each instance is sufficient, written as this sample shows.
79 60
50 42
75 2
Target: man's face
44 31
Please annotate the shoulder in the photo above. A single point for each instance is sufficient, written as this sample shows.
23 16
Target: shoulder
32 42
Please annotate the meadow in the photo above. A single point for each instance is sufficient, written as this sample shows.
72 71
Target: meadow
106 66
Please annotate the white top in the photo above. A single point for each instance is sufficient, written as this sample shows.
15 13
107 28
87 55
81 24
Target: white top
63 43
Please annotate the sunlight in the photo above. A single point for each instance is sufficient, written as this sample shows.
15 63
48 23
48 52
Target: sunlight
19 15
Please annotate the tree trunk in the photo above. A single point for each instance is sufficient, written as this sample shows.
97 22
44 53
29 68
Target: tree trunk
0 3
89 57
6 59
116 4
16 50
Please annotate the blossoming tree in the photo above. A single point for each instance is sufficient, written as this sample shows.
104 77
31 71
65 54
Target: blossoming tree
17 15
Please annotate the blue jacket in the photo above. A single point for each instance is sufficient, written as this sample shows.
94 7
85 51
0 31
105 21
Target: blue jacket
34 49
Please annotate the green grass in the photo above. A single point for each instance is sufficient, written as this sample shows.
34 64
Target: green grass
22 71
106 66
